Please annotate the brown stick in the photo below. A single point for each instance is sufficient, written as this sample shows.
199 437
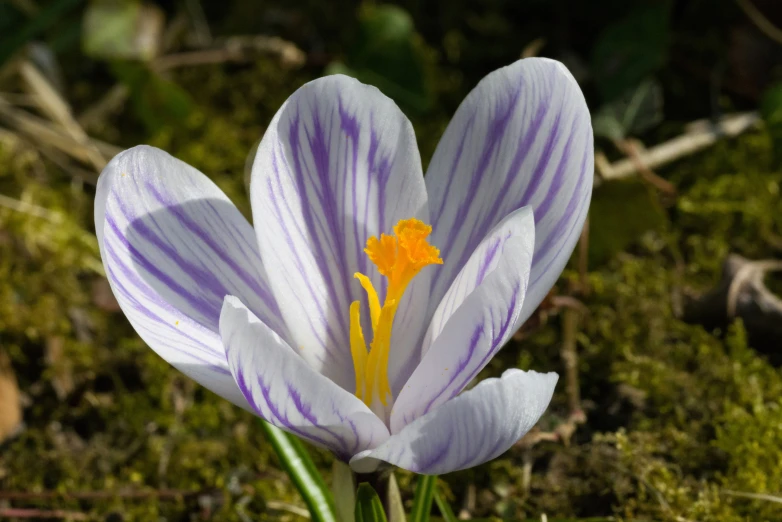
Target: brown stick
236 49
760 20
583 259
742 293
58 110
701 134
38 129
647 174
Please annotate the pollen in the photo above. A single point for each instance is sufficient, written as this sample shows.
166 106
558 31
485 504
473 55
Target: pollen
398 257
412 235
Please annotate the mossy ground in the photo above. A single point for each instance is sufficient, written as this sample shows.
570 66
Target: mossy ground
678 417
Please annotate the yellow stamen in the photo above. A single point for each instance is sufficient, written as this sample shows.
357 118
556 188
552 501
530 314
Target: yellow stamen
358 347
399 258
377 361
374 301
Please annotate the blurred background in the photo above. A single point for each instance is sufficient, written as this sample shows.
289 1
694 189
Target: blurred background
665 328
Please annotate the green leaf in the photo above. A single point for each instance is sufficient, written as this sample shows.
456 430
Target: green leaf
445 510
636 111
368 505
422 502
631 49
299 466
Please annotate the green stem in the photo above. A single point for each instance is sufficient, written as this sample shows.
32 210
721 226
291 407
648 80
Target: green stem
422 502
305 476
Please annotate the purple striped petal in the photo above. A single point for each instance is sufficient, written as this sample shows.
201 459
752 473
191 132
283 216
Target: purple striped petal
522 137
173 246
284 390
469 430
475 319
338 164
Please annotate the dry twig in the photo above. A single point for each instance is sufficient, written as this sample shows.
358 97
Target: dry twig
236 49
751 272
754 496
760 20
533 48
40 130
290 508
630 149
700 135
470 499
58 110
29 208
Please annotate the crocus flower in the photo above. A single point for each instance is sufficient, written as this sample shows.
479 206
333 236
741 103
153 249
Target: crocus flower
366 297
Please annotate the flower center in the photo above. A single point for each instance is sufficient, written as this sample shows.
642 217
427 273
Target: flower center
399 258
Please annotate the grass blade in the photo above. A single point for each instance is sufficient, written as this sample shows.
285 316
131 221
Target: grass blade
305 476
422 502
445 509
394 504
368 505
343 487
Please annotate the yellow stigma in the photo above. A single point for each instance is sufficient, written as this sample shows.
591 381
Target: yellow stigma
399 258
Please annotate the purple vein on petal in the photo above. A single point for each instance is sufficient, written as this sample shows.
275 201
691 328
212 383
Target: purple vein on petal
305 410
583 207
496 211
573 203
208 311
351 128
353 428
491 145
454 165
141 289
478 333
454 298
277 416
379 170
498 338
328 202
276 197
475 338
556 182
208 239
437 457
494 248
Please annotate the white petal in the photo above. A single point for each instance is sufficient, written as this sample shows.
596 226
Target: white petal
483 261
475 319
522 137
468 430
338 164
285 391
173 246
